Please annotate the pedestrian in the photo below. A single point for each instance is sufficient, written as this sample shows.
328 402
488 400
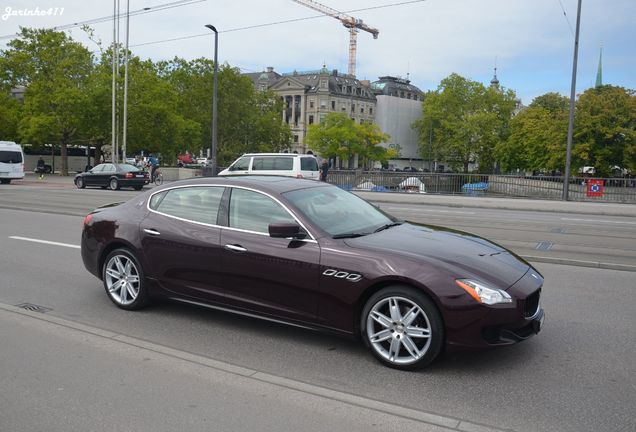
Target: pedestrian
324 170
40 168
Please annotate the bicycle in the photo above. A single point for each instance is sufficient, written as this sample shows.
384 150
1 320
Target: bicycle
158 180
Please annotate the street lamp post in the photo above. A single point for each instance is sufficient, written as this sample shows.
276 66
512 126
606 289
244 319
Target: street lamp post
214 99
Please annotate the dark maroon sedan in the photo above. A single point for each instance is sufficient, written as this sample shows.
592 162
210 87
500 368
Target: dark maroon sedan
311 254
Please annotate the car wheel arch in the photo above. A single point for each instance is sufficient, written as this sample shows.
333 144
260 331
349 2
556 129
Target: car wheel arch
117 244
380 285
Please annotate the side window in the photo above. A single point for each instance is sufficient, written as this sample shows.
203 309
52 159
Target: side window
198 204
254 211
243 164
109 168
273 164
308 164
97 169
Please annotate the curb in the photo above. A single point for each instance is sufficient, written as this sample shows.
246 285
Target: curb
580 263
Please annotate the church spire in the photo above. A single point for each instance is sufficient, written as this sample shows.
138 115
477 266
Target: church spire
494 82
599 72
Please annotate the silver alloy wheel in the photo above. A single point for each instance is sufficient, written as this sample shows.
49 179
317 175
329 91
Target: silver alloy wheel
114 184
79 182
122 279
398 330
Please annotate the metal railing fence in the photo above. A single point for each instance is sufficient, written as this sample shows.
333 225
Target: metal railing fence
621 190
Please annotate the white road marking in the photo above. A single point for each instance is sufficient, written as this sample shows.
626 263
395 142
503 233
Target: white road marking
599 221
425 210
44 242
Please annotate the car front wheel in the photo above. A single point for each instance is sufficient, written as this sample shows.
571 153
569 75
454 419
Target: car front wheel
124 280
79 182
402 327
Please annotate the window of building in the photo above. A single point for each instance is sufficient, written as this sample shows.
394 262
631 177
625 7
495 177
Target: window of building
311 103
370 110
353 107
295 138
361 110
348 89
323 103
311 119
322 117
333 105
323 83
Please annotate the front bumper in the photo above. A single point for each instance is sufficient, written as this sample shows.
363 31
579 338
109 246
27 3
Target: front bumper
484 326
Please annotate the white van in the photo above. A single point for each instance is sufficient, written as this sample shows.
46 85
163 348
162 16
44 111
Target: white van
282 164
11 162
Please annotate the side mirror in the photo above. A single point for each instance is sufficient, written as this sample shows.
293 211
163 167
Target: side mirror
285 230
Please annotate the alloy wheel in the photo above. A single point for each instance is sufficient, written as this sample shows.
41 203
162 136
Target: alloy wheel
398 330
122 280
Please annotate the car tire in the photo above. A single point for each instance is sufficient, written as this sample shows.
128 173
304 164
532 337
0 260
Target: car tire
5 181
124 280
114 184
402 327
138 187
79 182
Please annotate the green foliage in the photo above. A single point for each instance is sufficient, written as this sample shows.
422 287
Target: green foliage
68 101
468 122
339 136
54 70
538 136
605 129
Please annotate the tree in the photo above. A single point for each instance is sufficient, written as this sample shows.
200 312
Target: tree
9 116
468 122
605 129
538 136
339 136
54 69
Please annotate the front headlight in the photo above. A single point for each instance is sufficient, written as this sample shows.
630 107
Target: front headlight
483 293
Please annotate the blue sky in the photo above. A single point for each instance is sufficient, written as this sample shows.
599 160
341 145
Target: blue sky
530 40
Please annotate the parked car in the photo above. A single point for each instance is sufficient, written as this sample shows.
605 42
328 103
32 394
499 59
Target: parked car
11 162
313 255
202 161
113 176
185 159
282 164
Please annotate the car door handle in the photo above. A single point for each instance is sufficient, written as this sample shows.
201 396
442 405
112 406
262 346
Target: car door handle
151 231
235 248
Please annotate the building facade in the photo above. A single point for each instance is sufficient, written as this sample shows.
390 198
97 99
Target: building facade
309 96
399 104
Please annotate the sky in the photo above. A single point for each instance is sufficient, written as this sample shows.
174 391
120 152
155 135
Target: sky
531 42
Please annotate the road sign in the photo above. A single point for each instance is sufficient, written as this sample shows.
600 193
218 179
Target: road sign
595 188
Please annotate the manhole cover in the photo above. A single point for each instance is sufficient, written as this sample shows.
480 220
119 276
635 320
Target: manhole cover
33 307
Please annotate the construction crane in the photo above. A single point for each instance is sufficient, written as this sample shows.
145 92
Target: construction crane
353 24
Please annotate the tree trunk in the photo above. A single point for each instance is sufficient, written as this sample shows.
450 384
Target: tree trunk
64 154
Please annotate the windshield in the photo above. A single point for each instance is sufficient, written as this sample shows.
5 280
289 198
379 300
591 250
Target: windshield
128 168
337 212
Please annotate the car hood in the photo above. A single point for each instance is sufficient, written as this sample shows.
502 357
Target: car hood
464 255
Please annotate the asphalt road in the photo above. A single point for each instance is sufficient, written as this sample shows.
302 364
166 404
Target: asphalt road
578 374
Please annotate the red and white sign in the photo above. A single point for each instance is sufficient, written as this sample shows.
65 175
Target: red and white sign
595 188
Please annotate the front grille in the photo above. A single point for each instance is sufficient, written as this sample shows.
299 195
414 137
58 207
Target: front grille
531 304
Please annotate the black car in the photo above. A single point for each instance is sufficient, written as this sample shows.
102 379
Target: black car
311 254
113 176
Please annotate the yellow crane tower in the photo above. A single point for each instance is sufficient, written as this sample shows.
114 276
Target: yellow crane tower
353 24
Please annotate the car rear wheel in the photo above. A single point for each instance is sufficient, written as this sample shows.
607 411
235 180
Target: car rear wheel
402 327
124 280
114 184
5 181
79 182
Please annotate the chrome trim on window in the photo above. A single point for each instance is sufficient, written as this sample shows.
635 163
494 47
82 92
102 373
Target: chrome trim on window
310 240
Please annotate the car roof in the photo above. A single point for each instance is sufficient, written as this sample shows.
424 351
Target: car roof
278 154
271 184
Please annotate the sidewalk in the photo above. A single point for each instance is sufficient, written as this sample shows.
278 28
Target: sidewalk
68 376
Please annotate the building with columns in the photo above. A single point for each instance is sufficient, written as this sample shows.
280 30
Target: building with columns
309 96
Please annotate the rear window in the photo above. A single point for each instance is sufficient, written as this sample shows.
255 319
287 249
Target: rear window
128 168
9 156
308 164
274 163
